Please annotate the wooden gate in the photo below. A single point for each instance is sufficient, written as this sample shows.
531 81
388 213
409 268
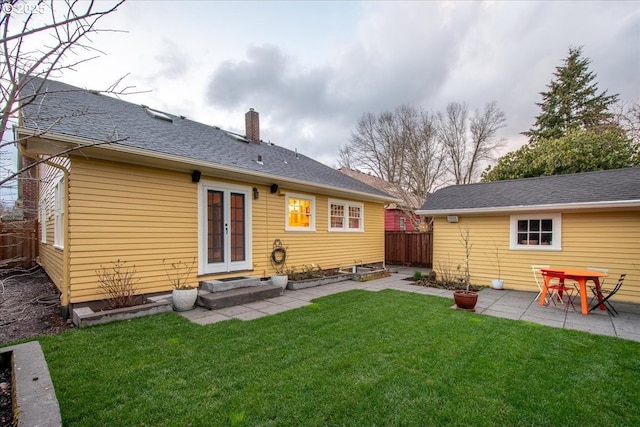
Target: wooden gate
18 244
413 248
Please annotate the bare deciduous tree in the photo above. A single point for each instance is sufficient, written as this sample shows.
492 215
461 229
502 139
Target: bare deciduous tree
40 40
61 35
425 159
399 147
627 115
421 151
376 146
469 141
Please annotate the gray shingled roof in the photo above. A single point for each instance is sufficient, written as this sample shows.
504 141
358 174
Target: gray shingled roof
616 185
99 117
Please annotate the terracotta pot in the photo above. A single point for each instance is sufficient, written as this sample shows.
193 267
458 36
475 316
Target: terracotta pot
465 300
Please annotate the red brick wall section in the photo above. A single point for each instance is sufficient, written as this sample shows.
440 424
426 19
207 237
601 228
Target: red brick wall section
28 188
252 125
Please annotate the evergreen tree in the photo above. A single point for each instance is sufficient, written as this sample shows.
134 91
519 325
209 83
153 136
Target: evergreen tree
573 102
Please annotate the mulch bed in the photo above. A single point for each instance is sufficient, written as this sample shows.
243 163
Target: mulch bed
29 308
452 286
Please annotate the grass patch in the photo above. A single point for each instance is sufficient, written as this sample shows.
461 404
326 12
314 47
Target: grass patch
355 358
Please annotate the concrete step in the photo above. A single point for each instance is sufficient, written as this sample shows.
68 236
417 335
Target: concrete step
218 300
230 283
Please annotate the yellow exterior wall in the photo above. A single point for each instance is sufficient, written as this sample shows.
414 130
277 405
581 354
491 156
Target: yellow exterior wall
598 239
130 213
323 248
142 215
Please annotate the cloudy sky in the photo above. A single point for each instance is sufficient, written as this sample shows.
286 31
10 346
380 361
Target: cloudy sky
312 69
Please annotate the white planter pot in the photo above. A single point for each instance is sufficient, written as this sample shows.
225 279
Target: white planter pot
497 283
280 280
184 299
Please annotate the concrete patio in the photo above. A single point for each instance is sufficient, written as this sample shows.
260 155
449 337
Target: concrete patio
510 304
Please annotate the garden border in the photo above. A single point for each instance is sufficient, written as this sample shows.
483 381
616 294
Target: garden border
34 398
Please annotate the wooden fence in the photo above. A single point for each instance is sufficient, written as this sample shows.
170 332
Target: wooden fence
18 244
414 248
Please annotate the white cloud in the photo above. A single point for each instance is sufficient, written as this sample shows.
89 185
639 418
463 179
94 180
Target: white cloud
312 69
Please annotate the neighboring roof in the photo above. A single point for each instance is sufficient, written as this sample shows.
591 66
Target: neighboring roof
617 187
411 200
89 115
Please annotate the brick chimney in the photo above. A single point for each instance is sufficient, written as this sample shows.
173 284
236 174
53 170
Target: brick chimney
252 125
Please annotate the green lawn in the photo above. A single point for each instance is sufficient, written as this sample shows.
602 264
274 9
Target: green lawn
355 359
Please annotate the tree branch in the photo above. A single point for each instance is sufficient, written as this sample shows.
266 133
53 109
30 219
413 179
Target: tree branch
56 25
53 156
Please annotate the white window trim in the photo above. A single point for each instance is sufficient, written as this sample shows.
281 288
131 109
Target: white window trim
203 266
345 228
43 221
58 214
557 232
312 220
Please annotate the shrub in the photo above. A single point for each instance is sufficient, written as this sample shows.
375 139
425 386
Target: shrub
116 283
312 271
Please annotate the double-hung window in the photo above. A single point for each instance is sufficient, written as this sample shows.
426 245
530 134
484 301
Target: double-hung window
58 215
345 216
300 212
536 232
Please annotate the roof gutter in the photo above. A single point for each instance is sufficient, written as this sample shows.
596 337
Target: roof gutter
533 208
189 163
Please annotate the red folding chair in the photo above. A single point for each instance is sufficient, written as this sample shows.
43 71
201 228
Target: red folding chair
559 290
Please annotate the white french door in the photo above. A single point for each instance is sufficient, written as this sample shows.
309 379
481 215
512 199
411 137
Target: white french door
224 227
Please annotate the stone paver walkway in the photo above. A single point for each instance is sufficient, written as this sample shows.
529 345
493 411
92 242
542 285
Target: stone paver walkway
510 304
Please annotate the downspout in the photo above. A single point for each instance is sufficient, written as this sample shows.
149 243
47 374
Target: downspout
65 291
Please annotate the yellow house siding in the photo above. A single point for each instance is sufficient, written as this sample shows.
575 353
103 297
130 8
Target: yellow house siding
599 239
141 215
320 247
609 240
131 213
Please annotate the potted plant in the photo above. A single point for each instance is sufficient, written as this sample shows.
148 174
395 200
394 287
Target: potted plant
184 294
278 260
466 299
497 283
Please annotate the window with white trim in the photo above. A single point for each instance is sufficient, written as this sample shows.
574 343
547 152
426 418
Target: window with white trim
58 215
42 219
300 212
345 216
541 232
403 223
